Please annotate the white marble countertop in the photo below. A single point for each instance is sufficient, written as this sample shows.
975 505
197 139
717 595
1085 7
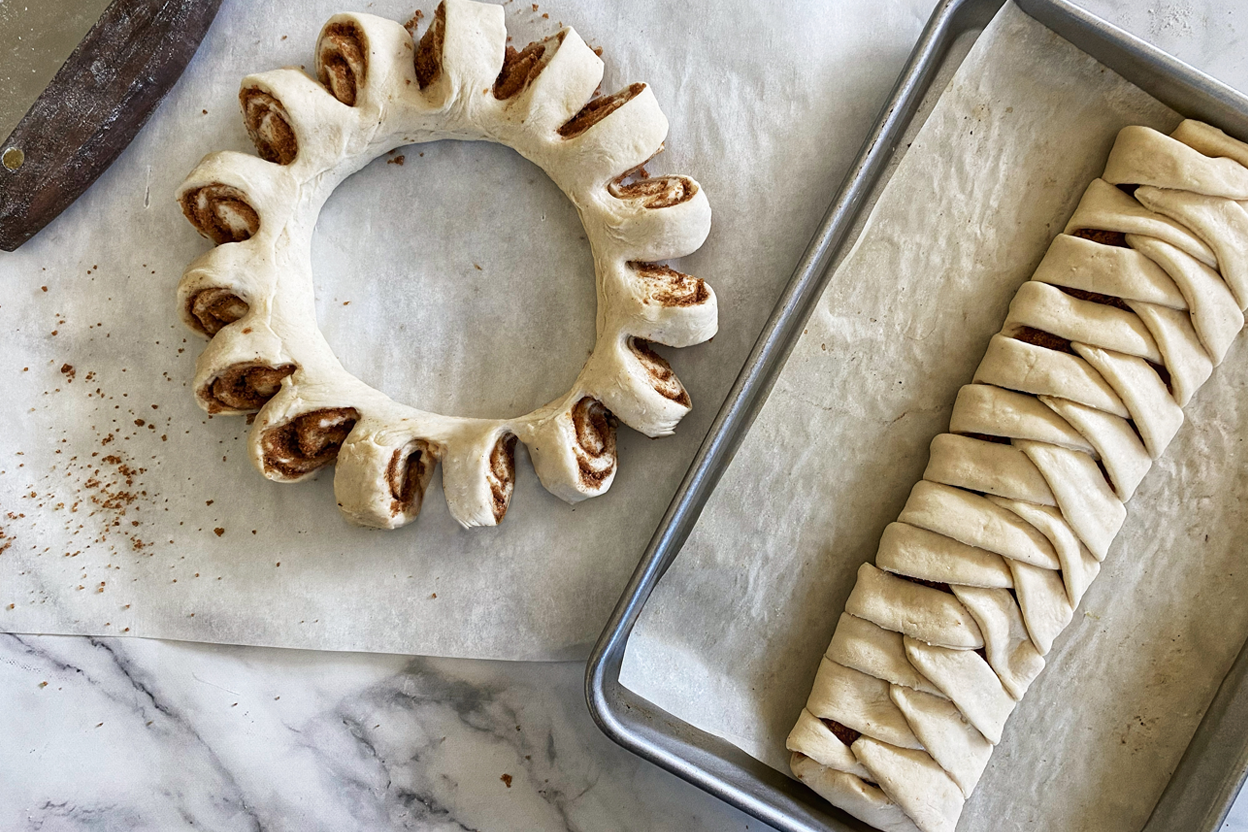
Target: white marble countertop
128 734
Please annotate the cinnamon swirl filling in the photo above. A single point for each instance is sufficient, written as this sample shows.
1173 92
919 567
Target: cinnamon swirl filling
428 58
216 309
668 287
1097 297
408 474
843 733
662 378
595 441
1040 338
522 68
307 442
654 192
268 125
221 213
245 386
598 109
1105 238
343 62
502 474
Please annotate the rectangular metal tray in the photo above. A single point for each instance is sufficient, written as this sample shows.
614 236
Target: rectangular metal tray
1213 769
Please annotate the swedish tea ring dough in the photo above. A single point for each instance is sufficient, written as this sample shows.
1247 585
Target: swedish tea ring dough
376 89
1125 317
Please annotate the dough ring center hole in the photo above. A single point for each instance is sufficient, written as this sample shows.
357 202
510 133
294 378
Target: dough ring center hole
476 299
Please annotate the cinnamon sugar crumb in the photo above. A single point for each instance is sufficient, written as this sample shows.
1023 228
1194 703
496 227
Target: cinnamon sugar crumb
218 531
397 160
414 22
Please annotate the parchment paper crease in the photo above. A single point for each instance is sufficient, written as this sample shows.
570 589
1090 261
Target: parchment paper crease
767 107
731 639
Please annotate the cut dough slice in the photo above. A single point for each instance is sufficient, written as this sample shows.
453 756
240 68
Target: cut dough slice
1106 208
918 553
1029 368
381 474
867 648
1042 598
858 701
952 741
1124 456
1079 565
1221 223
1119 272
1007 644
1186 360
991 411
1155 413
965 678
1049 309
479 476
1083 494
915 782
975 521
1216 315
862 800
986 467
1143 156
810 736
1210 141
912 609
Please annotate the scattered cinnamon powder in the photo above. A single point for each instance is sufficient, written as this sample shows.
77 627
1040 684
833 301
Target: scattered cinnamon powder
397 160
413 22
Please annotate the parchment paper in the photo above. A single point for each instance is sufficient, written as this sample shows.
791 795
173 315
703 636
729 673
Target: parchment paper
125 510
731 638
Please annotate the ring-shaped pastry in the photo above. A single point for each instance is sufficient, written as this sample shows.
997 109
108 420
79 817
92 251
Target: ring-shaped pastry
378 88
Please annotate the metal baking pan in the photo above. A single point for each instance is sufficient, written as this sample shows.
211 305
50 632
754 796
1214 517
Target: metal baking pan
1208 778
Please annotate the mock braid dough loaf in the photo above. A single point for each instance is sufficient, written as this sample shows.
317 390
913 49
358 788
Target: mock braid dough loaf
377 89
1126 316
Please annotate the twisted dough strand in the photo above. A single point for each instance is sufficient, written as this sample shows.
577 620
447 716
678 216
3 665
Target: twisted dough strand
1123 320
